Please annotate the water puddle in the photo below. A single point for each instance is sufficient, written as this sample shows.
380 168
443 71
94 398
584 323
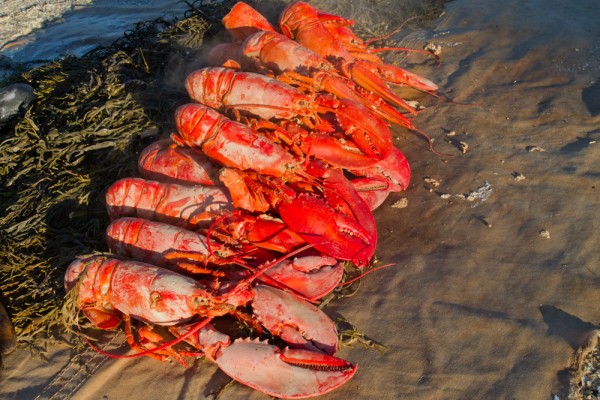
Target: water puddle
90 26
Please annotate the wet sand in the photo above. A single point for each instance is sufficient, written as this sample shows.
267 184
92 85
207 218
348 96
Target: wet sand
491 294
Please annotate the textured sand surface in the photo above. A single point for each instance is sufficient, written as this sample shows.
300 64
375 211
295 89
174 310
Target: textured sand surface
497 275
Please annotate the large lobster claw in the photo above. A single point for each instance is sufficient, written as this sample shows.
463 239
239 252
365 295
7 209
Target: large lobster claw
311 276
287 373
291 373
336 234
391 174
243 20
346 228
299 323
367 130
283 373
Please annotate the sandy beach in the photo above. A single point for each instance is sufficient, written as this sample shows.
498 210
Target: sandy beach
496 277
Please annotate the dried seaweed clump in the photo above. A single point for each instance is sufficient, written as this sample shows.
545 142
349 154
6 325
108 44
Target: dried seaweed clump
91 117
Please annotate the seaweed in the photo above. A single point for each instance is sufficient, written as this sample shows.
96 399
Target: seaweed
91 117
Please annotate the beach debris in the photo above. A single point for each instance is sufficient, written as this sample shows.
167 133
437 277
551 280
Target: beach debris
402 203
433 48
517 176
532 149
544 233
585 368
482 193
462 145
432 181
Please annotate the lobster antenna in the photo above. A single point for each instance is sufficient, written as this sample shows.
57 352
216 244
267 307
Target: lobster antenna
430 142
348 282
261 270
405 49
388 35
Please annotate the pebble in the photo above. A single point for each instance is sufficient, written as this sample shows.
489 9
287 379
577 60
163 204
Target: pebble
8 339
517 176
402 203
535 148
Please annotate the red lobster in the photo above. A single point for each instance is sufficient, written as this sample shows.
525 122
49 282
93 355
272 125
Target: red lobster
109 290
267 98
172 247
186 206
184 165
302 22
347 230
295 64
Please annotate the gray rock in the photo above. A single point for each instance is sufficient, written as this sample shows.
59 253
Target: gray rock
8 339
13 99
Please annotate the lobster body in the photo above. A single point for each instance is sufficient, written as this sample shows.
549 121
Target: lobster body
187 206
258 95
299 66
164 160
109 286
268 98
108 289
230 143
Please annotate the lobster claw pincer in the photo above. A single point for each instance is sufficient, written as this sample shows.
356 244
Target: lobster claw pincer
337 234
370 134
287 373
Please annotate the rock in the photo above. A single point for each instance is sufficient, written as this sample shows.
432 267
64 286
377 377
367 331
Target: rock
13 99
8 339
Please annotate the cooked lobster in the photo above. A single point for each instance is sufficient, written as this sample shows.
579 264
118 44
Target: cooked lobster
109 290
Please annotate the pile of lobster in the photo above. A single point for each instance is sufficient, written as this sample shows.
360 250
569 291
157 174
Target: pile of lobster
247 210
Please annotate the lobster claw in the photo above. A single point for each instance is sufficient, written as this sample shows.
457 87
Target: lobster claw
296 321
391 174
362 74
310 369
370 134
307 371
311 276
337 234
337 151
287 373
394 169
347 229
243 20
400 76
374 191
